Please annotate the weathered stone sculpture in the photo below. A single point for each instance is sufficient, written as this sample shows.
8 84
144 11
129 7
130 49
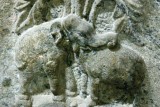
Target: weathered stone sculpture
114 72
114 75
51 47
78 61
47 48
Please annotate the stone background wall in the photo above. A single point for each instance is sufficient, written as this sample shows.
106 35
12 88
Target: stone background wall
150 51
8 77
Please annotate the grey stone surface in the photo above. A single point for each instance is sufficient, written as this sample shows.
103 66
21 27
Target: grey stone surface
140 33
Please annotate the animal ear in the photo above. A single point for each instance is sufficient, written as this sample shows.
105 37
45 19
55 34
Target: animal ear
57 37
55 31
54 34
118 25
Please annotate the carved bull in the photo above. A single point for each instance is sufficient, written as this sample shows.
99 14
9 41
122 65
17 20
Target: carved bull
114 74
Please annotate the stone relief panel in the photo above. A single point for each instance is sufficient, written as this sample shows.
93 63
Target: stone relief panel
78 46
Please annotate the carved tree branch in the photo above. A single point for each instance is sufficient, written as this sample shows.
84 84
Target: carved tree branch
31 13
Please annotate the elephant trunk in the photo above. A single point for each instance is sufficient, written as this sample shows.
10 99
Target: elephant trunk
108 39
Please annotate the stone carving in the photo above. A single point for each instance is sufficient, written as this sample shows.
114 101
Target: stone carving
109 73
79 62
114 75
47 47
31 12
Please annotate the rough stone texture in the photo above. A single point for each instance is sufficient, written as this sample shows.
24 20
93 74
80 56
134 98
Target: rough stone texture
7 40
146 42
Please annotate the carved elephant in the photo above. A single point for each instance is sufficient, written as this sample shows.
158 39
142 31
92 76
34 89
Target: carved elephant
49 48
115 75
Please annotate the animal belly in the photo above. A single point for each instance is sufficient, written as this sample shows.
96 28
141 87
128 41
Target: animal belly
108 65
115 71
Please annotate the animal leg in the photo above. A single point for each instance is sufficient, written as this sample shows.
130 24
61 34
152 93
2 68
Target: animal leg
23 99
54 80
94 89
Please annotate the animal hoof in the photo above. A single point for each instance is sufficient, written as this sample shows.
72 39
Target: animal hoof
73 104
70 93
23 101
58 98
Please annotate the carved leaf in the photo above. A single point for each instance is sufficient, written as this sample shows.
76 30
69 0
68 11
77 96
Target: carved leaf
34 12
31 12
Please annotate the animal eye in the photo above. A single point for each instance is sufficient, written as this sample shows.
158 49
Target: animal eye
70 33
81 34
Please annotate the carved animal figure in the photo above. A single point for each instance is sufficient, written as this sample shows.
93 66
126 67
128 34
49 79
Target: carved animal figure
47 48
114 75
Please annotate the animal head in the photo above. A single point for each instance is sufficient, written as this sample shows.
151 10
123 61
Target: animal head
81 33
73 29
78 30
